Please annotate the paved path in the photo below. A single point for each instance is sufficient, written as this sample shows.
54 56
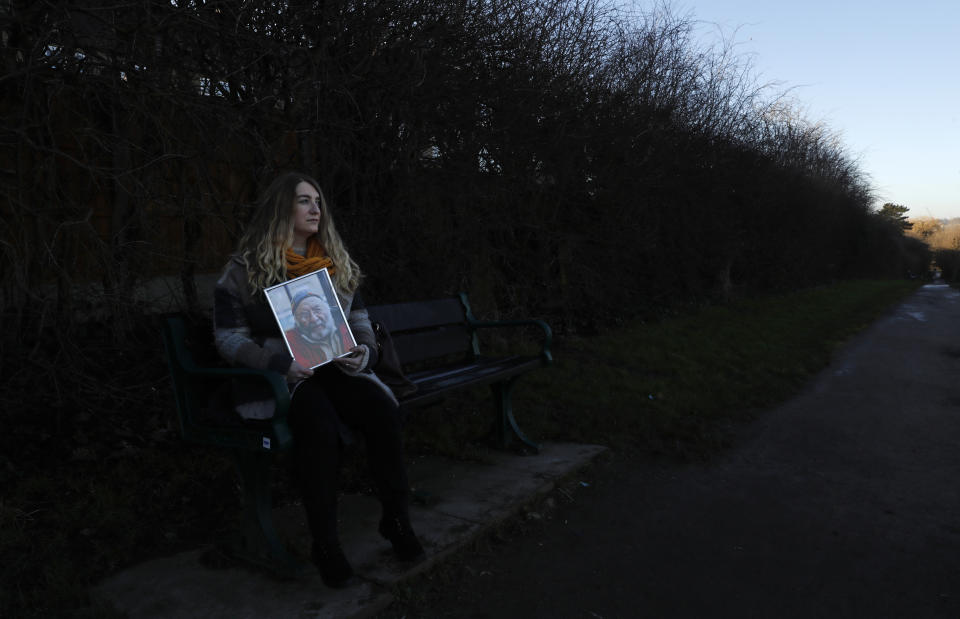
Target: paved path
843 502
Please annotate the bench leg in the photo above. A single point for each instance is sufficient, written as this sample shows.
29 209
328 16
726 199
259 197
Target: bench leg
506 424
259 542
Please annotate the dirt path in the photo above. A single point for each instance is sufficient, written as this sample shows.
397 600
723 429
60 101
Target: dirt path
844 502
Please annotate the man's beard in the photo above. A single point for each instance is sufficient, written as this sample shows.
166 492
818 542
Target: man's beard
318 333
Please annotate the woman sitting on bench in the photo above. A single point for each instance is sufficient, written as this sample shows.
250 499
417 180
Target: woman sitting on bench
291 233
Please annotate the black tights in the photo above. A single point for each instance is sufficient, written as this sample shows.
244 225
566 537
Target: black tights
318 406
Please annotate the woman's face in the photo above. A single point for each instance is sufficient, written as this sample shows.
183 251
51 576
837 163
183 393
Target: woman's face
306 213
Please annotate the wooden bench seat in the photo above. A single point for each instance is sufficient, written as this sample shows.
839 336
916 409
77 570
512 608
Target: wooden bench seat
439 347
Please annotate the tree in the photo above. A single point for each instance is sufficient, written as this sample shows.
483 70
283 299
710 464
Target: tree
946 237
924 227
896 213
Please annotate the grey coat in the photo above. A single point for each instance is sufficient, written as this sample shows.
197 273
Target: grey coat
247 335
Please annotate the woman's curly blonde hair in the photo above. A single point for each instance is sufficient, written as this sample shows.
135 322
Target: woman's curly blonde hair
269 234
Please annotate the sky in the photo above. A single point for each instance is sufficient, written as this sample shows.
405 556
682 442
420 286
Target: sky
885 75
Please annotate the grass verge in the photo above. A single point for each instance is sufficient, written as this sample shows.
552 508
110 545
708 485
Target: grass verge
677 385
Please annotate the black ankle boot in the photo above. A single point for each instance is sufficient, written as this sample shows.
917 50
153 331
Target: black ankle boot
334 568
397 530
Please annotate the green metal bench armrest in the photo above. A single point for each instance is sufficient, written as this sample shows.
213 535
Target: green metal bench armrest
276 381
545 354
183 368
531 322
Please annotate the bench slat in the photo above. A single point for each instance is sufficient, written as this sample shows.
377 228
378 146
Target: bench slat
434 383
400 317
440 342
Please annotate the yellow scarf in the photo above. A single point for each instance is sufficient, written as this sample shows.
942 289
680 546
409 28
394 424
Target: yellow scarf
315 260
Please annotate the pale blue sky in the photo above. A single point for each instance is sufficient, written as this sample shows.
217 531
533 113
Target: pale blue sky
884 74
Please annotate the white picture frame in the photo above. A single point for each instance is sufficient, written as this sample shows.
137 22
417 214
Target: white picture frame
299 306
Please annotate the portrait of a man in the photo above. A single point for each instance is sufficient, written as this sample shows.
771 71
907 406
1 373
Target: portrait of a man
315 339
310 317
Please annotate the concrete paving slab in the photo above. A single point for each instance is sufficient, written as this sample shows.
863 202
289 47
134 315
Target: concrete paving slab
465 498
182 587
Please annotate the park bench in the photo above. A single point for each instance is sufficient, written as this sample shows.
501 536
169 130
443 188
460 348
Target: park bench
438 345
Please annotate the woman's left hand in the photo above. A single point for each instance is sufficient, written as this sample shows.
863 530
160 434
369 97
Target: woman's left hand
354 360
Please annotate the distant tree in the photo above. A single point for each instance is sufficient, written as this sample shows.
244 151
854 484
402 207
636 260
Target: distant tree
924 227
896 213
947 237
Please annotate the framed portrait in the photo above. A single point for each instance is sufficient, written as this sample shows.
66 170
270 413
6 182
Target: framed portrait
311 319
